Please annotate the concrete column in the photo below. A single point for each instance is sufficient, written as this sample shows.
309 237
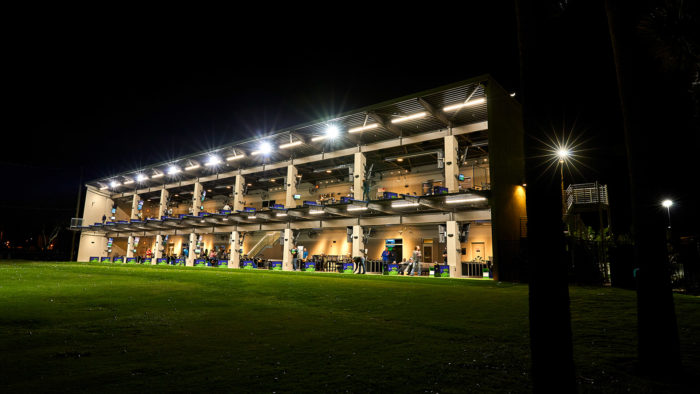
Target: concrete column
162 208
287 250
158 250
235 260
358 245
130 247
359 176
135 207
189 262
451 164
196 198
453 249
291 187
97 203
238 193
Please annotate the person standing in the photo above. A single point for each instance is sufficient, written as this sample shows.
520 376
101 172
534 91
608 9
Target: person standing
104 219
295 261
386 258
360 261
416 261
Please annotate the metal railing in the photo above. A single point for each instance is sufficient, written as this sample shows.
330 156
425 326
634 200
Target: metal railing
76 222
267 240
586 193
473 269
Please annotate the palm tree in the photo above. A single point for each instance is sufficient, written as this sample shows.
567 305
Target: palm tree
550 319
658 344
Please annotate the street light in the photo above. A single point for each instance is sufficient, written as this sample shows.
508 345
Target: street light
667 204
563 153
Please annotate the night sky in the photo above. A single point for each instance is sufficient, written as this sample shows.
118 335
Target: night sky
117 96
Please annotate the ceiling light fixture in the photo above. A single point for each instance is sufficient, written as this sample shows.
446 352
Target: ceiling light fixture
455 107
455 201
235 156
173 170
213 161
364 128
290 144
404 204
409 117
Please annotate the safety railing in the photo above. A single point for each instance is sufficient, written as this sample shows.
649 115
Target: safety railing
586 193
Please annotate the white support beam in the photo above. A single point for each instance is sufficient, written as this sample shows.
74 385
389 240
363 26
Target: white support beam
358 245
130 247
159 249
234 260
453 249
359 175
451 164
291 186
163 204
287 250
196 198
238 193
189 262
135 207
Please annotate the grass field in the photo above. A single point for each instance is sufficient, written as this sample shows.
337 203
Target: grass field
106 327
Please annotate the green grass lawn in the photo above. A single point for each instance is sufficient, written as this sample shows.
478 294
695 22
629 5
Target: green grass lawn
107 327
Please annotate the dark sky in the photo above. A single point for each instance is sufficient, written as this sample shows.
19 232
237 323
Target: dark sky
116 96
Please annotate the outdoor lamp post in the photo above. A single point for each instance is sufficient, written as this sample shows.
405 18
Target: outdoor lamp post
563 154
667 204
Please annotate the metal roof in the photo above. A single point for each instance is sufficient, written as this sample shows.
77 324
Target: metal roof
382 114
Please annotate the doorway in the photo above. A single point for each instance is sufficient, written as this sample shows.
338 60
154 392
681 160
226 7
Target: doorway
478 251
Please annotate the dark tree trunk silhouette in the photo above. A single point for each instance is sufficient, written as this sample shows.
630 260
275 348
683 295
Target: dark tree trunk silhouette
550 320
658 344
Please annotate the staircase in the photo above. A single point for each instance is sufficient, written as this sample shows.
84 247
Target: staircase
267 241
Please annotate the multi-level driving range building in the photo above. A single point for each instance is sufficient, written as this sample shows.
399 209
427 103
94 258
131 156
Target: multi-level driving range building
442 169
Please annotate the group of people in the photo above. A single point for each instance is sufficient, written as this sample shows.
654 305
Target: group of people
410 267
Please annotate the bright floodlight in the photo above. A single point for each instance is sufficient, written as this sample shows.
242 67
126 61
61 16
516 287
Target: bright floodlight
141 177
114 184
265 148
332 131
173 170
667 203
213 161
